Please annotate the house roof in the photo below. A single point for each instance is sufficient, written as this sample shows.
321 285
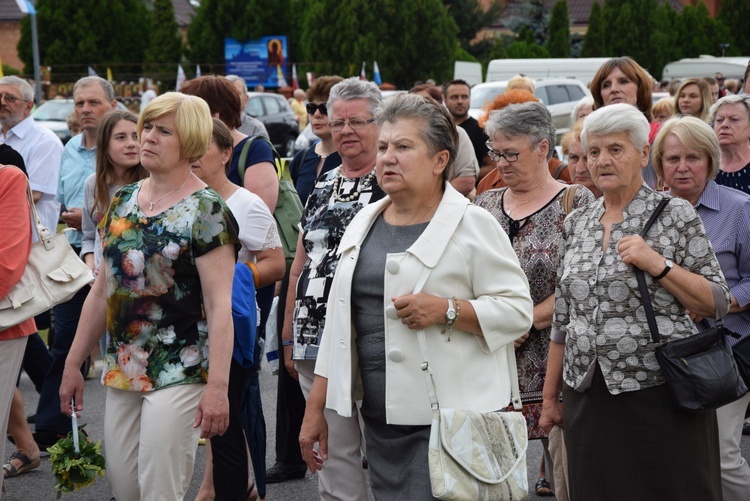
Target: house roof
9 11
183 12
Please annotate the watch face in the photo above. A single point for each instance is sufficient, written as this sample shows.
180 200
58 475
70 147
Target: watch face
668 263
451 315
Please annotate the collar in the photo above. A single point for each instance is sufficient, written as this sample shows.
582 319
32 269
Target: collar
711 196
643 194
22 127
78 144
431 244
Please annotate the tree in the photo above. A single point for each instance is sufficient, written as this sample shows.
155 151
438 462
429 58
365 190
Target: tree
665 39
734 15
471 16
242 20
525 50
693 39
409 40
533 16
74 34
558 32
594 44
165 46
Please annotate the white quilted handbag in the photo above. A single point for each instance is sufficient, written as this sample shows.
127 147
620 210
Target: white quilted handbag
54 273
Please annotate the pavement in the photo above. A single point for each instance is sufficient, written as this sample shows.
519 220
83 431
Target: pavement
38 484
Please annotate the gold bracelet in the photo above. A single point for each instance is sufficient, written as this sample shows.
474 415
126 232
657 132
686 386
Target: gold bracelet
256 275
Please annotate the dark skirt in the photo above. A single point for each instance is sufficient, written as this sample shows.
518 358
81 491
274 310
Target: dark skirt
635 446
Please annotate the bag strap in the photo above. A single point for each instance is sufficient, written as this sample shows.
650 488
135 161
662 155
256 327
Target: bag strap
43 234
568 197
642 287
559 170
427 370
241 167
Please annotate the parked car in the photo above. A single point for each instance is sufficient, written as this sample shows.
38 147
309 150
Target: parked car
52 114
560 95
280 121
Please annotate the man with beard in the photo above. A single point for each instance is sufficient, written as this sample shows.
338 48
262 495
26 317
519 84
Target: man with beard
457 97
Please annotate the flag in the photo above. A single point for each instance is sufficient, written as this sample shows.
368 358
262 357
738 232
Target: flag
109 74
280 80
295 83
1 68
92 73
310 78
376 72
362 75
197 71
180 77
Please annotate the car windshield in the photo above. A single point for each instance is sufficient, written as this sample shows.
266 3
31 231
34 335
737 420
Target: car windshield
479 96
55 110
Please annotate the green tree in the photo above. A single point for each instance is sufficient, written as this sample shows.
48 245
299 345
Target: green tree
242 20
471 16
409 40
693 37
74 34
665 39
165 47
558 32
594 43
525 50
535 17
734 15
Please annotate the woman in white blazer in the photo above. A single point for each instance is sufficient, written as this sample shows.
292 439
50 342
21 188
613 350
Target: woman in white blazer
424 258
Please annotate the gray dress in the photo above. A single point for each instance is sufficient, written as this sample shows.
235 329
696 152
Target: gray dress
397 454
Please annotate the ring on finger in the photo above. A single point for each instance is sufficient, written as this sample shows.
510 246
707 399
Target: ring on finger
408 321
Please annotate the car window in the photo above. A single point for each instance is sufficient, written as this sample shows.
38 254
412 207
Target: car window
480 96
541 94
272 105
557 94
55 110
576 94
254 107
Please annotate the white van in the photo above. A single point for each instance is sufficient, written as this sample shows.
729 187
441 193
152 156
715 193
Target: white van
706 66
583 69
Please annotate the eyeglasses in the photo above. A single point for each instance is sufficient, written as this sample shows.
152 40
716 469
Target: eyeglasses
10 98
312 108
355 124
509 156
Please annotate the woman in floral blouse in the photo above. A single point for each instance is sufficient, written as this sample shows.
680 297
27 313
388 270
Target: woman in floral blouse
163 292
625 440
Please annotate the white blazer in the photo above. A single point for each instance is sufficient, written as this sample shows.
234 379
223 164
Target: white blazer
470 257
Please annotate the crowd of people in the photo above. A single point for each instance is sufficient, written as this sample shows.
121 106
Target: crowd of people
423 230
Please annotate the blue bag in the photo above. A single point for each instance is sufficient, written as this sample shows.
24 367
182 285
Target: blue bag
244 315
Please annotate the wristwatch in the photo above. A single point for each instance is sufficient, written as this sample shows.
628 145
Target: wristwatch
667 268
451 313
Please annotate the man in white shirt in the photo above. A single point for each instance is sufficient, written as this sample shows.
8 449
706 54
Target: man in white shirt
40 148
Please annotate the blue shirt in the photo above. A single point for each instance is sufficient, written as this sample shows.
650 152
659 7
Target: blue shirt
77 164
726 216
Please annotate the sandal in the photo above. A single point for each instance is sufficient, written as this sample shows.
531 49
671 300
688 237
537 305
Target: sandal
27 464
542 488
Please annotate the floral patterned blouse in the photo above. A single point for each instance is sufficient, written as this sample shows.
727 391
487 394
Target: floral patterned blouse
539 245
331 206
598 309
155 318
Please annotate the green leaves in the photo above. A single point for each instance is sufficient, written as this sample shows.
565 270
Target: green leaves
75 471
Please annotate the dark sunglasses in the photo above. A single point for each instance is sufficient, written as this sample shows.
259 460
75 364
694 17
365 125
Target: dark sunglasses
312 107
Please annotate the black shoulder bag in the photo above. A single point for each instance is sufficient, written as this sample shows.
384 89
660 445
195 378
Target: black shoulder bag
700 370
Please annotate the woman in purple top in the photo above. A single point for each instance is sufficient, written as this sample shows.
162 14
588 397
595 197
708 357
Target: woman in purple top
686 155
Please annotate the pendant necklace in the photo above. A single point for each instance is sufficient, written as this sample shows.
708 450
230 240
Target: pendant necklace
148 191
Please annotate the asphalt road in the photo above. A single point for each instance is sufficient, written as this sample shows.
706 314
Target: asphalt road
38 485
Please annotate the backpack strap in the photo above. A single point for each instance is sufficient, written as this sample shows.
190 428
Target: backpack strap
241 167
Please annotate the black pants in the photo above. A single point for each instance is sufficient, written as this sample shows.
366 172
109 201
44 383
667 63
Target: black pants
229 450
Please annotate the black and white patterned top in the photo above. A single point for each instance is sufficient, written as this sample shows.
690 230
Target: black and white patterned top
323 224
598 310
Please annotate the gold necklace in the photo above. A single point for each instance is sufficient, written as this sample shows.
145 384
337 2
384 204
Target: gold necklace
148 192
532 198
221 190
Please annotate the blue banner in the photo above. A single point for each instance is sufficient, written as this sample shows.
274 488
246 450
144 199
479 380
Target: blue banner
257 61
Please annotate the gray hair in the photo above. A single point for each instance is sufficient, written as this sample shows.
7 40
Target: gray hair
584 101
438 130
237 78
109 91
614 119
24 87
354 88
530 119
731 99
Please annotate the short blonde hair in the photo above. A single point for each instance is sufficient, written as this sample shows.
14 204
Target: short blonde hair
192 121
693 133
663 105
573 134
521 82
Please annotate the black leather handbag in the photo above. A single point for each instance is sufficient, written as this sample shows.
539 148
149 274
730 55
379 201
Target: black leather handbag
700 370
742 357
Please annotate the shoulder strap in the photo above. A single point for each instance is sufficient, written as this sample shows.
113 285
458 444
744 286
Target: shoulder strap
559 170
241 167
568 197
641 277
